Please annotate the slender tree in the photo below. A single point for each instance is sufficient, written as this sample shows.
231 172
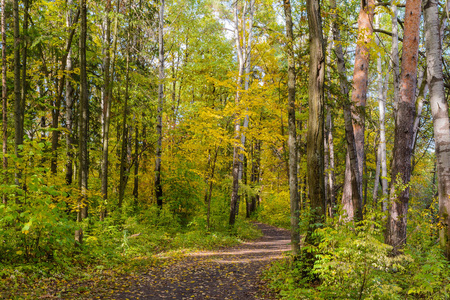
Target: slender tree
18 121
83 118
69 105
158 185
293 180
124 166
106 110
382 110
243 47
57 103
351 202
401 165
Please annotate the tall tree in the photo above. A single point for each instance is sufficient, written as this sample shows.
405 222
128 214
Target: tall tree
69 105
4 98
124 166
243 40
359 96
401 165
382 110
84 116
106 109
57 103
315 147
158 185
351 202
18 121
293 180
439 110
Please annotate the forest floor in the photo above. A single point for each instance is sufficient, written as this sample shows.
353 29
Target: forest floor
228 273
231 273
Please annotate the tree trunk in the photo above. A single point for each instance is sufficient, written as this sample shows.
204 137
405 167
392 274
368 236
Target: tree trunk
57 103
293 180
69 106
243 48
123 178
395 58
237 127
209 193
256 158
315 151
352 193
401 166
136 165
382 146
84 115
4 102
329 143
18 111
158 186
106 110
439 109
359 96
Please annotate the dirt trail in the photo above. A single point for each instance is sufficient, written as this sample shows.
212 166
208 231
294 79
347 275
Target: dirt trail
232 273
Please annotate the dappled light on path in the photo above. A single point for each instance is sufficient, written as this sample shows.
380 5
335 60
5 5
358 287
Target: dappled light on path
232 273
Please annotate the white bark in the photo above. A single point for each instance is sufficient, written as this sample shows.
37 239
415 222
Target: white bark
382 109
439 110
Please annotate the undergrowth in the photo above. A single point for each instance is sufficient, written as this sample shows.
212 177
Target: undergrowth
353 262
120 244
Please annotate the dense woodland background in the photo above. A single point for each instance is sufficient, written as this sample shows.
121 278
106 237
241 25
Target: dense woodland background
133 127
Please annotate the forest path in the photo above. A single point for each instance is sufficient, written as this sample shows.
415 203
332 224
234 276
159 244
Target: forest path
231 273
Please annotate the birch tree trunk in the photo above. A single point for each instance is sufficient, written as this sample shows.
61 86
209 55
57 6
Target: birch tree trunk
158 185
401 166
382 110
439 110
292 141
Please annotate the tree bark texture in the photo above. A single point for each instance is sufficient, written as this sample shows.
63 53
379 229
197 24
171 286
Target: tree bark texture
84 115
382 146
69 106
395 58
158 184
106 109
292 141
352 193
359 97
315 150
18 120
439 110
401 166
124 167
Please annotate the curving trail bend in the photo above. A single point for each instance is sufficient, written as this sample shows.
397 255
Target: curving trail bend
232 273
